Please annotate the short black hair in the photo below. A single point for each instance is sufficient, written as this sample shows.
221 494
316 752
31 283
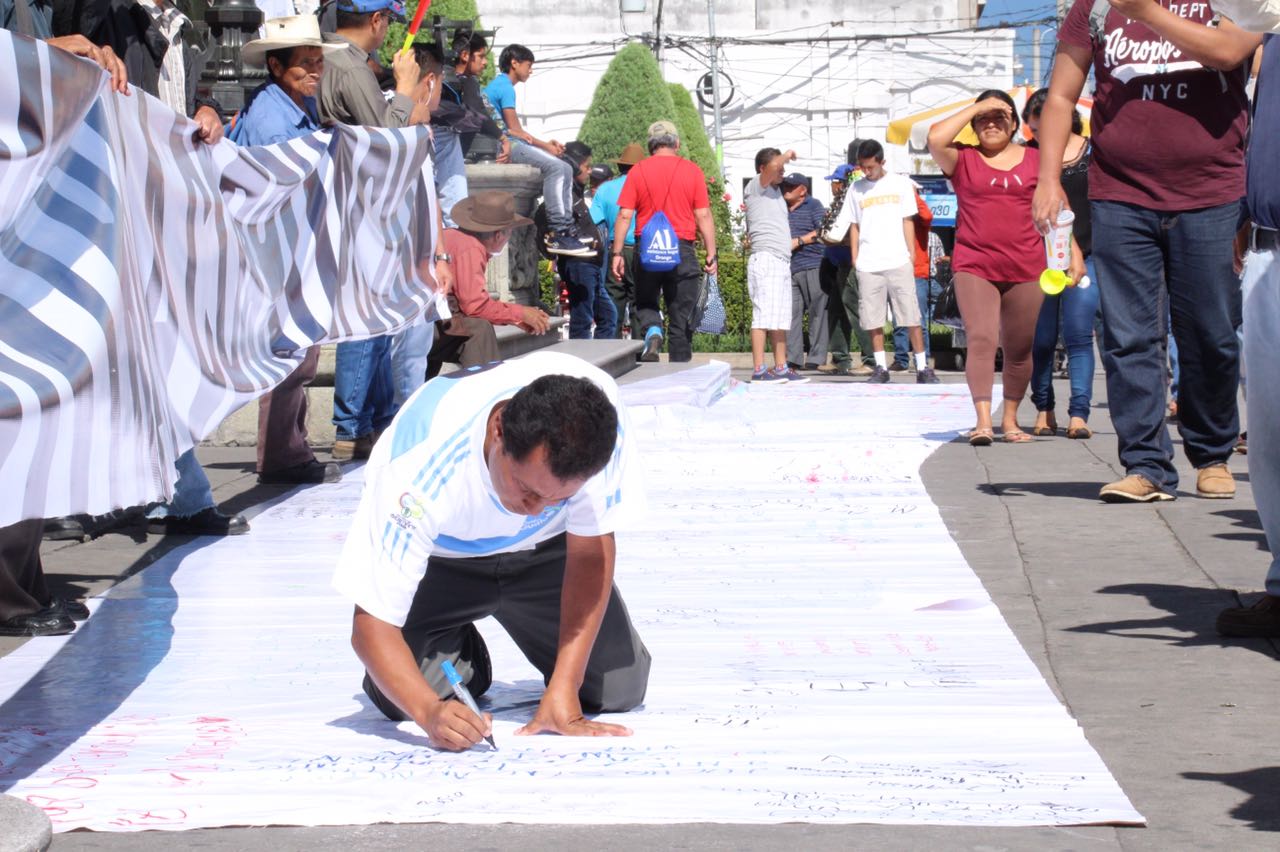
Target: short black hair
1004 96
765 156
1035 105
577 152
351 20
513 53
465 41
430 59
570 416
870 149
281 55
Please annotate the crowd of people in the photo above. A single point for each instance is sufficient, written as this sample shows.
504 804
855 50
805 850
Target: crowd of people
1157 247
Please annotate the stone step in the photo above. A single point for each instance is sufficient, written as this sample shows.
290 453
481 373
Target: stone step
615 357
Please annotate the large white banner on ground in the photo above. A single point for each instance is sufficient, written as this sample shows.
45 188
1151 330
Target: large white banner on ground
150 285
821 653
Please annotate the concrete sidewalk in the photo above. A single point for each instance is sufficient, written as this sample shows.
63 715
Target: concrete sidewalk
1114 603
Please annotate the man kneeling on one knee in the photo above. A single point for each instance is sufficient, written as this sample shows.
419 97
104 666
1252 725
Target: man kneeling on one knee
496 492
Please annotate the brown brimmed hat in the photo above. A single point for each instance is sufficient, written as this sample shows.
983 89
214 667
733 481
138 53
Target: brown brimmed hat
489 210
632 154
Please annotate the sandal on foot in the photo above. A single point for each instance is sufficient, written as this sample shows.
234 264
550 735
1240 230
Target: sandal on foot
981 437
1015 436
1080 433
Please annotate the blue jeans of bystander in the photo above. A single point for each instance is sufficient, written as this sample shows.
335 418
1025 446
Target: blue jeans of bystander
1153 264
589 300
1073 311
927 291
191 493
1261 343
363 394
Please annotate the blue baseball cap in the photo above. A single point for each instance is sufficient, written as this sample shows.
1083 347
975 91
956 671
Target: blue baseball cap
395 7
842 172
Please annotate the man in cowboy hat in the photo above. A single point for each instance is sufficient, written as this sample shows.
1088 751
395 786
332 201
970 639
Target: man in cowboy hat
485 221
283 108
497 492
604 210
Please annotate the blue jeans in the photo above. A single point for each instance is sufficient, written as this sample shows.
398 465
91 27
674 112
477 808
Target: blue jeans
557 184
1152 265
409 350
589 300
451 173
1261 343
191 493
363 396
1073 311
902 343
1173 366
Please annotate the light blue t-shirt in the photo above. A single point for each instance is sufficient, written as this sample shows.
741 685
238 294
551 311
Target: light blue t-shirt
604 208
502 94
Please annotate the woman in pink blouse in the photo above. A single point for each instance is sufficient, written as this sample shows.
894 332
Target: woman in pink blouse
998 254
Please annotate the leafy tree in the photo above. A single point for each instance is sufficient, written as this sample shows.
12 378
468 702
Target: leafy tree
697 147
629 97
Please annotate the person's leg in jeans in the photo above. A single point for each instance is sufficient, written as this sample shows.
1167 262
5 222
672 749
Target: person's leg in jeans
580 279
1019 310
381 400
1079 308
606 312
1042 349
557 184
1171 346
926 313
901 347
1262 342
353 370
451 173
409 350
682 297
1129 252
623 294
979 302
1204 301
192 493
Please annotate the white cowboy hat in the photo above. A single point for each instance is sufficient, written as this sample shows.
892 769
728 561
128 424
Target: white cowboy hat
277 33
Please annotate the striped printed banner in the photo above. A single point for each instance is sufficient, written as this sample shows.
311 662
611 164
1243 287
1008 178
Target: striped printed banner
150 285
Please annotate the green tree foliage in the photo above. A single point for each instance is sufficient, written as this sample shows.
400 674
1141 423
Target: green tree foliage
455 10
629 97
697 147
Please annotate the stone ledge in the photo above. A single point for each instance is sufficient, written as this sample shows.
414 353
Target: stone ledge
23 827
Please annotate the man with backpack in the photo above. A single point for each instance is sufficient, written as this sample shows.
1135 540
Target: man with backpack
667 197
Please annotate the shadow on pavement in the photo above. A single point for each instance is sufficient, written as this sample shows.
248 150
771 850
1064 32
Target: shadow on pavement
1077 490
1190 610
1243 519
1262 809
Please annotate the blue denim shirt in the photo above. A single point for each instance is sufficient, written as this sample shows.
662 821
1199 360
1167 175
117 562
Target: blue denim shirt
271 116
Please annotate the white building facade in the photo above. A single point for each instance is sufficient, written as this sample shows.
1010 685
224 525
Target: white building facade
809 77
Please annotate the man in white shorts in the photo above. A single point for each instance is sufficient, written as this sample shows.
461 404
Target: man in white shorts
769 266
496 492
883 243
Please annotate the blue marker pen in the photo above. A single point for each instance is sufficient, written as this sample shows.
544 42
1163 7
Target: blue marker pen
460 690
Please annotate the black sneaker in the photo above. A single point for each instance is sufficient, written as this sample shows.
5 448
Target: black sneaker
205 522
567 245
879 376
927 377
308 473
899 367
1262 620
69 528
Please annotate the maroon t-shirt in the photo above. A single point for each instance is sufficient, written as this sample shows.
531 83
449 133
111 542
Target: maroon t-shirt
995 237
1168 133
674 185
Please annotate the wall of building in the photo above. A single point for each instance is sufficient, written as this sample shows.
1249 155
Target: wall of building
809 78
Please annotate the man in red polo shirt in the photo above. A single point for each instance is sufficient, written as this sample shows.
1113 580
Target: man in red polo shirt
667 182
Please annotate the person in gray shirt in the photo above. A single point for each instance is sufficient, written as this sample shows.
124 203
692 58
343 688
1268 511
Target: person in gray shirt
769 266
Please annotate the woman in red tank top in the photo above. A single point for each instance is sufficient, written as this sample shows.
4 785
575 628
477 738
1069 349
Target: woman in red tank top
998 253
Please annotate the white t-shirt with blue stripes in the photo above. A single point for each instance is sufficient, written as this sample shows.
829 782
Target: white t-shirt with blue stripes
428 491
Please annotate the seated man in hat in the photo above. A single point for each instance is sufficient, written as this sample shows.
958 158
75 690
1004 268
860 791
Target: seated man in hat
497 492
281 109
485 221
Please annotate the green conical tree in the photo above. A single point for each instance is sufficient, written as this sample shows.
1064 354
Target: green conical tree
629 97
697 147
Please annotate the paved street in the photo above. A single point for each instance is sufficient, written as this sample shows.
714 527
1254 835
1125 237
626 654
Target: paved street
1115 604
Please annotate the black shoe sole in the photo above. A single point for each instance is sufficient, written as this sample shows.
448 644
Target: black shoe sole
1121 497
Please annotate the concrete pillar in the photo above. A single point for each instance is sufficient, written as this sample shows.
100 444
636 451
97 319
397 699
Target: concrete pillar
513 275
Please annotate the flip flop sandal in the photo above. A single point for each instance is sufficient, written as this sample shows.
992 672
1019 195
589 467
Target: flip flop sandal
1016 437
981 437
